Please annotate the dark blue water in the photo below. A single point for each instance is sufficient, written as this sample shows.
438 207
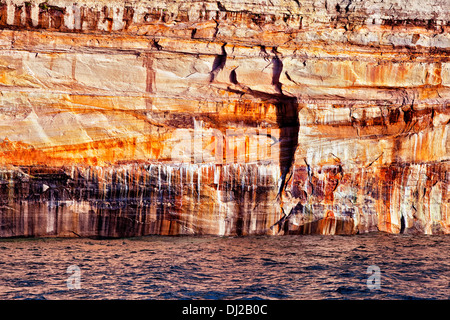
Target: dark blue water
269 267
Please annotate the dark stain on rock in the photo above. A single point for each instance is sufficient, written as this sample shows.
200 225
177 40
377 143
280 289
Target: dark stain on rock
287 120
128 15
218 64
277 69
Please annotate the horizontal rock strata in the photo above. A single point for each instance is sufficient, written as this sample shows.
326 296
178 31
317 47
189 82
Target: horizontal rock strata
127 118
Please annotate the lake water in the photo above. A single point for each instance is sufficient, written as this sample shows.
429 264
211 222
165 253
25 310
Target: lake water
207 267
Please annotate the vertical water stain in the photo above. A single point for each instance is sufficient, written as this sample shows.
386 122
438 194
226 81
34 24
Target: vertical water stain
150 80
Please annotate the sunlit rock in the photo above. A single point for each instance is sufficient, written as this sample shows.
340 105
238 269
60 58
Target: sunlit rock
121 118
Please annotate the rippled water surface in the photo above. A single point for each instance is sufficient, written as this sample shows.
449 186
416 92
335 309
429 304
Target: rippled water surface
285 267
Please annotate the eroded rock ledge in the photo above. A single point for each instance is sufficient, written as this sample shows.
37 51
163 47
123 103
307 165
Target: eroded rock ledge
125 118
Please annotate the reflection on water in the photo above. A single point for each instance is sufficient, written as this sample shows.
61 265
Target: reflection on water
260 267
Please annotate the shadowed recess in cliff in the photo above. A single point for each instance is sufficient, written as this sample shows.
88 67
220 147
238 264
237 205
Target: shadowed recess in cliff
287 119
288 122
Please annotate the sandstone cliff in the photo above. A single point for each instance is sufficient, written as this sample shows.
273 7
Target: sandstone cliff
124 118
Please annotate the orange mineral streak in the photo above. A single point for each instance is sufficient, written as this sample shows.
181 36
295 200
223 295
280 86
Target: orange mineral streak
18 153
105 152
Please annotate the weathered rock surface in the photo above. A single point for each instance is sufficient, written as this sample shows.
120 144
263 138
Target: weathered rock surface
123 118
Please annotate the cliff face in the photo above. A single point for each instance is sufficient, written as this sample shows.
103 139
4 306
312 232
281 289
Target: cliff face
124 118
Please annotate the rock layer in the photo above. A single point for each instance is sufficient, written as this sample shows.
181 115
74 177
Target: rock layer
126 118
